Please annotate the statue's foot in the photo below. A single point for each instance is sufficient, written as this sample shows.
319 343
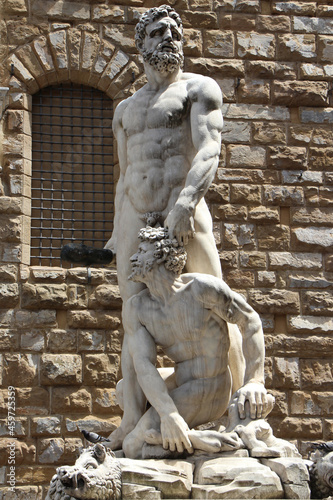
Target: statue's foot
152 436
261 452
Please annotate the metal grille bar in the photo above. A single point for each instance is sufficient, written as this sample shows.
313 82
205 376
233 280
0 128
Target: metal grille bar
72 173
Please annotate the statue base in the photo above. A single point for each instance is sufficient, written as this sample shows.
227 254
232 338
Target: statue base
224 475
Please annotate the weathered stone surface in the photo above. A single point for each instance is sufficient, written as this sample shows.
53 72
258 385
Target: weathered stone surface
108 13
91 340
295 428
301 177
70 400
255 112
60 9
33 341
325 48
283 195
316 115
104 401
255 46
307 281
92 424
286 157
309 324
281 260
21 493
275 301
239 236
287 372
273 237
241 193
43 296
316 374
314 238
32 401
236 478
25 452
101 369
94 319
236 132
51 451
218 44
296 47
45 426
9 295
267 133
192 42
263 214
296 93
108 296
293 473
172 478
318 303
254 260
304 346
62 369
247 156
61 341
20 370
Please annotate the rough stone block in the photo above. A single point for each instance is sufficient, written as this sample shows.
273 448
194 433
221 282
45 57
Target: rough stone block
9 294
266 278
315 115
318 303
243 193
20 370
264 215
101 369
307 281
230 213
121 36
282 260
173 479
25 452
239 279
325 48
255 112
236 132
104 401
108 296
296 93
62 10
32 401
92 424
295 428
44 296
61 369
283 195
91 341
316 374
309 324
247 156
298 8
218 44
108 13
254 260
321 158
303 403
286 157
32 341
45 426
268 133
137 491
273 237
94 319
313 25
275 301
301 177
274 24
238 235
296 47
313 238
215 67
255 46
286 373
70 400
193 44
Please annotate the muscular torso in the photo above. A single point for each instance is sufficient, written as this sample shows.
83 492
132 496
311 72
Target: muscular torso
193 336
159 145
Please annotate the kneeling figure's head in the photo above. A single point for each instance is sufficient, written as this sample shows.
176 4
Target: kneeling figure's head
157 248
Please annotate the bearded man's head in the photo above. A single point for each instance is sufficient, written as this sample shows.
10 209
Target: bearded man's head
161 61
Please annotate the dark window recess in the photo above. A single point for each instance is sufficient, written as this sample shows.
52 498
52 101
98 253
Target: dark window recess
72 170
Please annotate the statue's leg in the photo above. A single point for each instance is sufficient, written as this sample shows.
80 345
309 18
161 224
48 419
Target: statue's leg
203 257
134 402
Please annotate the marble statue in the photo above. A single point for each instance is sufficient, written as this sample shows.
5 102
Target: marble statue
169 140
321 470
187 315
96 474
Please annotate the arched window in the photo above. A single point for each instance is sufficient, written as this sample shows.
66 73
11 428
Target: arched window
72 170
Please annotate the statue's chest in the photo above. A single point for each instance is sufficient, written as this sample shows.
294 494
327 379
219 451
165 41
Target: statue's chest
168 109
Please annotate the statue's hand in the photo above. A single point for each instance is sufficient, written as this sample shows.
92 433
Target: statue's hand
256 395
180 224
174 432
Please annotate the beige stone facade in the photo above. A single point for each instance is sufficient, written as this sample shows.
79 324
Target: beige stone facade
60 333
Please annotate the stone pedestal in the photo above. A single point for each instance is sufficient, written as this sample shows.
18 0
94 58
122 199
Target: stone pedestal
225 475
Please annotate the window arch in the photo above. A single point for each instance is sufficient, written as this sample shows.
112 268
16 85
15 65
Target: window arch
72 170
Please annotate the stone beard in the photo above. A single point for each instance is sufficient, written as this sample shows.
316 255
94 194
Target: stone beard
163 61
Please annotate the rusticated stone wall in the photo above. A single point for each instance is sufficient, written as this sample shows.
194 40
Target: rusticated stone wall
60 332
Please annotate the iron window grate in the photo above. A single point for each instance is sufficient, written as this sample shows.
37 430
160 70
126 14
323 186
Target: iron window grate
72 173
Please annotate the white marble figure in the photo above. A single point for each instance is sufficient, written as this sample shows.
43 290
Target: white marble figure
169 140
187 315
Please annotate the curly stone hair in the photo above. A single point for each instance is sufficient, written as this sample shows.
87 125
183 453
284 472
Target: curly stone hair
167 251
152 15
